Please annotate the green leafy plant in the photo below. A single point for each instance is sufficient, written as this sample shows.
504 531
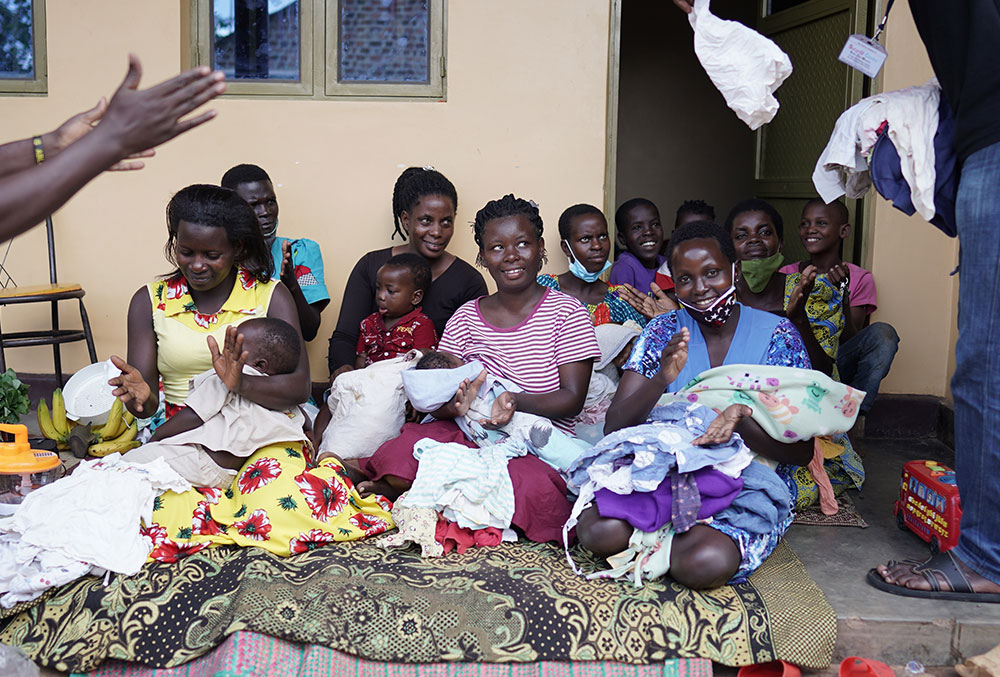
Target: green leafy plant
14 400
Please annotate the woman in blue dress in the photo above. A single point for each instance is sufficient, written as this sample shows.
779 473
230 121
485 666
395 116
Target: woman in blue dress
710 330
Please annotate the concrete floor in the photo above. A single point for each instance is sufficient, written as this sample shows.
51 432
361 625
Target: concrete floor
873 623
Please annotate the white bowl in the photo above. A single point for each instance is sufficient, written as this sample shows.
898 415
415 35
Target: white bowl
88 395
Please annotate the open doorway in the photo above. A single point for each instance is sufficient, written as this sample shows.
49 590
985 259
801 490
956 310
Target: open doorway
674 138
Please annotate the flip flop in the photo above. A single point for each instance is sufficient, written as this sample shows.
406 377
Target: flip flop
772 669
854 666
945 565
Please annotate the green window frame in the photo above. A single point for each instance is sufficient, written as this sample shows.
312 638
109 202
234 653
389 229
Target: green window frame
319 48
37 81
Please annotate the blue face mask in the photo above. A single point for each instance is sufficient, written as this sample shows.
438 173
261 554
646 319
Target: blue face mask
577 270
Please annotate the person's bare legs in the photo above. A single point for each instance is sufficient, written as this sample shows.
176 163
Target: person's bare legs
700 559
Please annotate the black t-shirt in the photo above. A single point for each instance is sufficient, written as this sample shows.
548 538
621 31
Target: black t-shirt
963 42
459 283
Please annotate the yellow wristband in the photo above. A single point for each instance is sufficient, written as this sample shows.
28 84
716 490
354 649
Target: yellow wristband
36 143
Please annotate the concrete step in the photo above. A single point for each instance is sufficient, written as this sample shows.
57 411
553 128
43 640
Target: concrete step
872 623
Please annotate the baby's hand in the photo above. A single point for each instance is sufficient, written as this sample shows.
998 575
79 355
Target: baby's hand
720 431
229 363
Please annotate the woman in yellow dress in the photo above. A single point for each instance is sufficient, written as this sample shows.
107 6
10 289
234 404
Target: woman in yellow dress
280 500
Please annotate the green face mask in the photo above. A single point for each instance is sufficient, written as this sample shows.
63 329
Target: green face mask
758 272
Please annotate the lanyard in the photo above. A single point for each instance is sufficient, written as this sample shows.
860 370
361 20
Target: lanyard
881 26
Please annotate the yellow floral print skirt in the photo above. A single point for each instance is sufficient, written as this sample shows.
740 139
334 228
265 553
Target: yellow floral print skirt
280 501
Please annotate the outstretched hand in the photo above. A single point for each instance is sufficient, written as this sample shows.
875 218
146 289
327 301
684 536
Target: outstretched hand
229 362
684 6
796 310
720 431
674 356
649 306
82 123
137 120
130 387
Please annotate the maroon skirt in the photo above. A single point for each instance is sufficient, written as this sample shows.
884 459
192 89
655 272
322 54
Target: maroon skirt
540 504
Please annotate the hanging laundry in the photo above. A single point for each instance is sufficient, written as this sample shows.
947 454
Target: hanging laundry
912 117
745 66
889 181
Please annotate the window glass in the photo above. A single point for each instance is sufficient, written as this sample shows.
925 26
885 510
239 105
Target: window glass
384 41
17 58
257 39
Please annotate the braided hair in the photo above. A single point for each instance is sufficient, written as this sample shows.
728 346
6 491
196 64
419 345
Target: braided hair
506 206
414 184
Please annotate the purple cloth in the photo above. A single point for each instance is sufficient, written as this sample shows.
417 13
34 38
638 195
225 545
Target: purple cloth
629 269
648 511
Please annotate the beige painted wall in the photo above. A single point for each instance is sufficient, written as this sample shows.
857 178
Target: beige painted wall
910 258
525 113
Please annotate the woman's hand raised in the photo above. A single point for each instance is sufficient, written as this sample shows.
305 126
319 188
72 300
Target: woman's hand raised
674 357
130 387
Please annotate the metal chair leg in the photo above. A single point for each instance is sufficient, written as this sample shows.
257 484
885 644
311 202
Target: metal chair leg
3 357
56 357
86 332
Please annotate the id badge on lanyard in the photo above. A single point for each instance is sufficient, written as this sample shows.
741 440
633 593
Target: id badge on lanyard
866 54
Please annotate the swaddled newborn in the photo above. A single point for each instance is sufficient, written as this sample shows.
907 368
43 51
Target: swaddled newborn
435 380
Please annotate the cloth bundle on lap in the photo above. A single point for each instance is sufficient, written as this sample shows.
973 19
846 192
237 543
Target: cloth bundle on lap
468 486
790 404
367 406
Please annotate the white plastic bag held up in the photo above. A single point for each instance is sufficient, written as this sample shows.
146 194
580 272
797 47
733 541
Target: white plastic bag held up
744 65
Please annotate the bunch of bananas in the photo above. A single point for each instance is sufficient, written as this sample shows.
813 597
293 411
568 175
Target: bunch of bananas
117 435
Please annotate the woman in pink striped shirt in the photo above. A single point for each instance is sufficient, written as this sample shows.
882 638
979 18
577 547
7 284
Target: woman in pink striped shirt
539 338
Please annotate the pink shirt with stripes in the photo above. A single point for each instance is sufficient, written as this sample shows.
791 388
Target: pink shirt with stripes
557 331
